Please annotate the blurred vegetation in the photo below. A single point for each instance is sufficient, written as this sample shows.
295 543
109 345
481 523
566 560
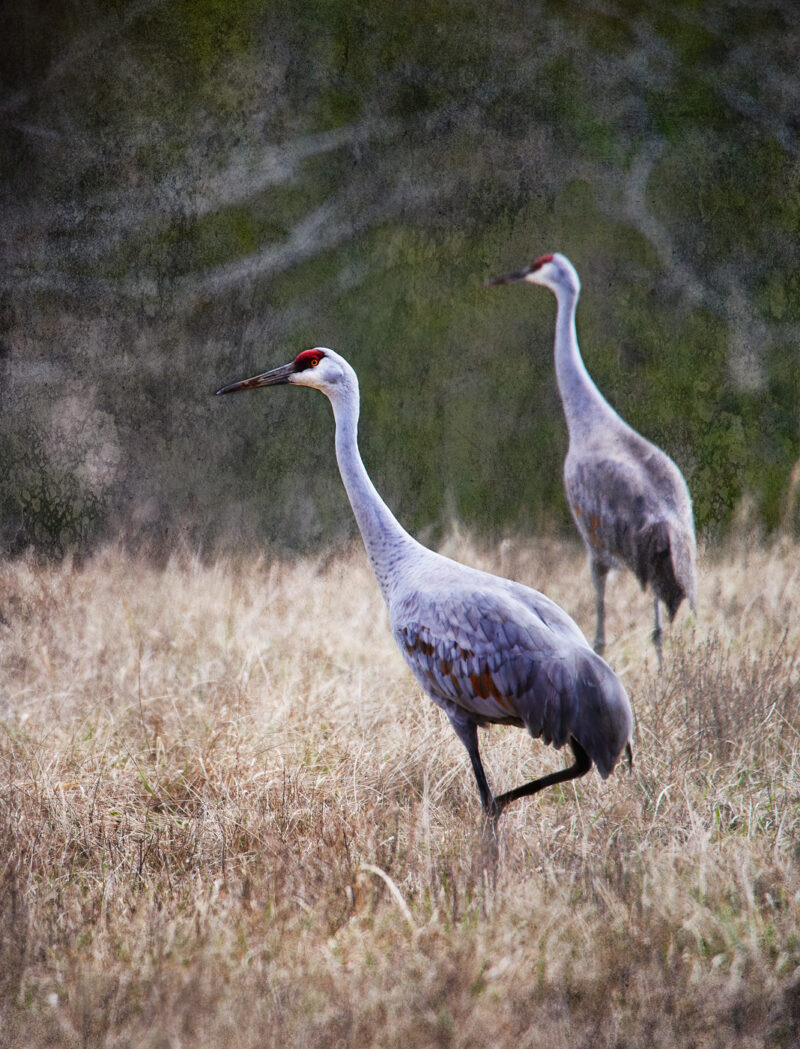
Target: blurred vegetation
192 192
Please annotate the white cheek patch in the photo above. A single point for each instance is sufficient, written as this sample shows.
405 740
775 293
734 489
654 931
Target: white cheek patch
303 378
314 376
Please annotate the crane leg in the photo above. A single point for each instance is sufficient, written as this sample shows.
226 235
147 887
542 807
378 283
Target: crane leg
467 732
599 575
582 765
658 633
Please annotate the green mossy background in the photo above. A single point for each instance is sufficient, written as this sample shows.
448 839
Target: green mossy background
193 192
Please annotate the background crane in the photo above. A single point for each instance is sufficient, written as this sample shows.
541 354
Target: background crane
484 648
629 500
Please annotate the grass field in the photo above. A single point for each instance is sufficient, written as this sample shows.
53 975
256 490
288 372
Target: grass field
229 817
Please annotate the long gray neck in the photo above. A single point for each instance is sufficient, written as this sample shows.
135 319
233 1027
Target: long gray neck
386 542
583 403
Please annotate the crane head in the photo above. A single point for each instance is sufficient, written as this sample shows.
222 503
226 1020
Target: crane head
551 271
319 368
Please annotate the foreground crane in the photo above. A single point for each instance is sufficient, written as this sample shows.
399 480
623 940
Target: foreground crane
485 649
629 500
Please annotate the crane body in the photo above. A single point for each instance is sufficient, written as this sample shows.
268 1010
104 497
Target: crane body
628 499
484 648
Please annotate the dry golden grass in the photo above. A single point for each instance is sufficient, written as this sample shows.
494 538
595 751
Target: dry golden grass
230 818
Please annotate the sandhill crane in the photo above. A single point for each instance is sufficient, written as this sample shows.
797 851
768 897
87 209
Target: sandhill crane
629 500
484 648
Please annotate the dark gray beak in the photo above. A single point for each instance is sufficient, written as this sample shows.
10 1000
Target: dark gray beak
509 278
273 378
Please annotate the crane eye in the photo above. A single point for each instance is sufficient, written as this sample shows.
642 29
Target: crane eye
314 363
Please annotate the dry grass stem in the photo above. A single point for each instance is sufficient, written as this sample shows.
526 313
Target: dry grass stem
230 818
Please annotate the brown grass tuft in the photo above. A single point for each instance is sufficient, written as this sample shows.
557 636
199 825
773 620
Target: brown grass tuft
230 818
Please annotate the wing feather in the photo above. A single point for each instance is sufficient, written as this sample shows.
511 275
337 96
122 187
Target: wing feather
494 656
635 510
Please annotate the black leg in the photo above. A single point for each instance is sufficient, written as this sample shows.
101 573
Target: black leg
599 574
467 732
657 634
582 765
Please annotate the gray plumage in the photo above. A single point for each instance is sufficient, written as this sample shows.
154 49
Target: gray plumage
488 650
485 649
629 500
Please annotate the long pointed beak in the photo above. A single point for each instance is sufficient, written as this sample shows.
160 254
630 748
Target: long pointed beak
509 278
273 378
